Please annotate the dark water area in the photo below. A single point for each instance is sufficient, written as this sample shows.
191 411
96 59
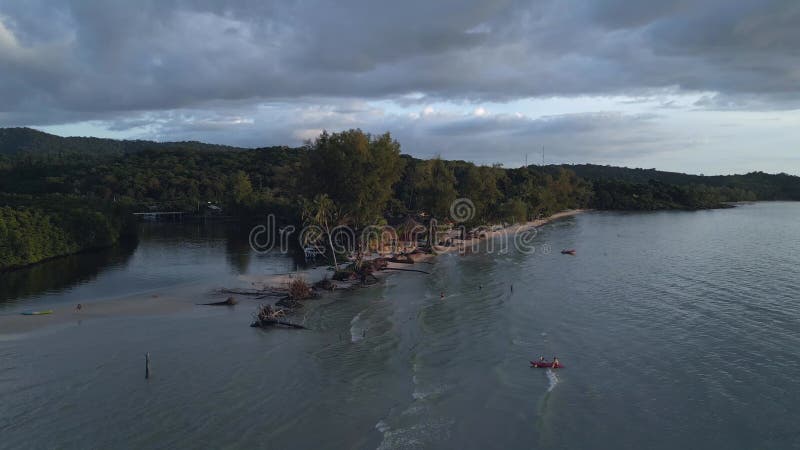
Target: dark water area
677 330
164 255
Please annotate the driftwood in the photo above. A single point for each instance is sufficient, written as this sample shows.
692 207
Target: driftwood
325 284
368 279
408 270
267 316
253 292
343 275
300 290
273 323
402 259
230 301
241 291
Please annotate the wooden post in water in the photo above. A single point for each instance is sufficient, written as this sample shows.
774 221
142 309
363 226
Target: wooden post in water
147 365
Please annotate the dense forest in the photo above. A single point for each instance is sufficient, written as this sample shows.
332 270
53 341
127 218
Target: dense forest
747 187
63 195
35 228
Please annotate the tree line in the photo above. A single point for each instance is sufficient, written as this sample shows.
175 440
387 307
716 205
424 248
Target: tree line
36 228
55 205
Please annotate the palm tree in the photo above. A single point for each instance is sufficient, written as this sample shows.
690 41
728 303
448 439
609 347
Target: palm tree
322 212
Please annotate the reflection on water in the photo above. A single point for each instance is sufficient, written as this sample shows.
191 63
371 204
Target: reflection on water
62 273
677 329
165 255
237 247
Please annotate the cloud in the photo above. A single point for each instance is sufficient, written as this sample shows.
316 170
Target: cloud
255 71
124 56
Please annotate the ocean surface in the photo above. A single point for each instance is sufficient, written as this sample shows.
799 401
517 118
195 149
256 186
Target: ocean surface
676 329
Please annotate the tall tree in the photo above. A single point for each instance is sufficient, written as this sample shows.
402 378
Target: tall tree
436 185
357 171
322 212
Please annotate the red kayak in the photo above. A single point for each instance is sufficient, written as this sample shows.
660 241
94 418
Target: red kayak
546 365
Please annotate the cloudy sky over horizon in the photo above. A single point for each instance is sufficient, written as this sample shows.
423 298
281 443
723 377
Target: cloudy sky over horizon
694 86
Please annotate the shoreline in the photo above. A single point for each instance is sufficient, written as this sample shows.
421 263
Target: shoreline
316 274
168 301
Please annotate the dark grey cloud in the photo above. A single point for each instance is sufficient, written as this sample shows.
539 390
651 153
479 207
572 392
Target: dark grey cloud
70 58
255 73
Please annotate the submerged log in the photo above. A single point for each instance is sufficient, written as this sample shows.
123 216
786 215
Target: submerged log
273 323
407 270
241 291
230 301
258 294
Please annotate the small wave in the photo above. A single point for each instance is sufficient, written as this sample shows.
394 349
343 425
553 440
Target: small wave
419 394
382 427
420 435
553 378
414 409
357 332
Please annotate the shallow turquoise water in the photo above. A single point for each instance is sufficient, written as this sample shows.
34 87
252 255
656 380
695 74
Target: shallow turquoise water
678 329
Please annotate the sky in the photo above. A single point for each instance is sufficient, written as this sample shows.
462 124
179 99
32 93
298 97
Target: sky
687 85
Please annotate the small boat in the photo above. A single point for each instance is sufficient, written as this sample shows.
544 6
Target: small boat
37 313
570 251
546 365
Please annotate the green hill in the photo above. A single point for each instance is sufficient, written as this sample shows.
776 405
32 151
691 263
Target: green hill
28 142
759 185
61 195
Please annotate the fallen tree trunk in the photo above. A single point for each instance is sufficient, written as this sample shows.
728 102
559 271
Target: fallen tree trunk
229 302
241 291
254 292
273 323
408 270
267 316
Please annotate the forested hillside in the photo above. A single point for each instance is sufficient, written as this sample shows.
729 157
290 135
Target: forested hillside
62 195
35 228
36 145
750 186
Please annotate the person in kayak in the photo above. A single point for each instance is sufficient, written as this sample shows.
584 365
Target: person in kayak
541 359
556 364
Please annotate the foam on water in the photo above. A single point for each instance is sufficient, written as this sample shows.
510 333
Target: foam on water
358 328
553 379
382 427
422 394
418 435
